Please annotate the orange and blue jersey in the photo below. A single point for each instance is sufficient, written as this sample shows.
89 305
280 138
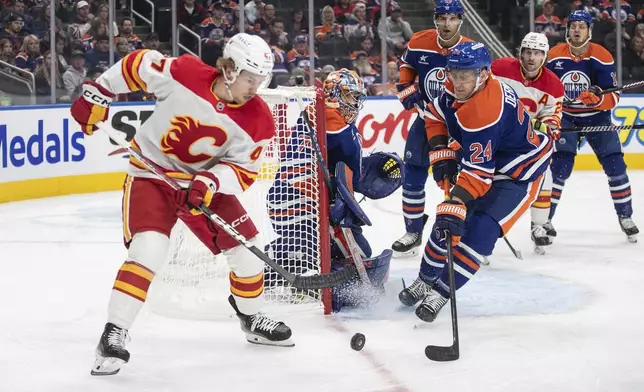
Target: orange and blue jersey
425 58
27 62
595 68
301 60
494 133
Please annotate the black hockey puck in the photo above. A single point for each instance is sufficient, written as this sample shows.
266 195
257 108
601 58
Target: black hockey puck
357 341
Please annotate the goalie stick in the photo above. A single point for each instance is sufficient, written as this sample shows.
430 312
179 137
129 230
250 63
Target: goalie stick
448 353
313 282
348 234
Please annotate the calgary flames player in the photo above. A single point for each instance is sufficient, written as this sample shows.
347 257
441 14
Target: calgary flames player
208 131
502 161
541 92
424 59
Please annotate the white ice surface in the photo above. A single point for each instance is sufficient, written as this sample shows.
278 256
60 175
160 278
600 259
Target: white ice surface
571 320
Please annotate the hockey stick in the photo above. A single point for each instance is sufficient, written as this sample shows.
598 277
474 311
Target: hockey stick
602 128
516 253
610 90
448 353
348 234
313 282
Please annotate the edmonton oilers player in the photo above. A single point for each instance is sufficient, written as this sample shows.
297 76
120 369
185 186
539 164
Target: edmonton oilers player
586 68
426 58
503 161
292 206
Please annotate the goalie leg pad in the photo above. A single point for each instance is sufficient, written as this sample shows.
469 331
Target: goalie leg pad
353 293
147 252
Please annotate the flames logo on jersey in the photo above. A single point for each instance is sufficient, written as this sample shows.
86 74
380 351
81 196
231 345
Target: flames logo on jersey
574 83
435 82
191 141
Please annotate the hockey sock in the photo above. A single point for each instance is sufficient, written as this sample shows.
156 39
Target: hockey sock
433 259
561 168
620 191
466 263
129 293
413 209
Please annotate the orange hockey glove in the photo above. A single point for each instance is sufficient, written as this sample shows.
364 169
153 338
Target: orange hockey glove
590 97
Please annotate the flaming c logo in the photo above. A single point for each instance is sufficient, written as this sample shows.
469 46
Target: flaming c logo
191 141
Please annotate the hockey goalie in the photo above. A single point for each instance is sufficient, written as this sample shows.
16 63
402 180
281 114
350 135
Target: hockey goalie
375 176
208 131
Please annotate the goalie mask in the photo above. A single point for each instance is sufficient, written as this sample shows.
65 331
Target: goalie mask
345 91
381 175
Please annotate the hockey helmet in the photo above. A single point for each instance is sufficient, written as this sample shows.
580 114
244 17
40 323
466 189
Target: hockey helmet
449 7
344 90
469 56
536 41
250 53
580 16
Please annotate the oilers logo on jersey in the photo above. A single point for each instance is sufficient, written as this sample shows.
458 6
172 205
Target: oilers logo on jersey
435 81
574 83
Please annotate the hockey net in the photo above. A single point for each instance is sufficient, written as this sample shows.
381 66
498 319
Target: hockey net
194 283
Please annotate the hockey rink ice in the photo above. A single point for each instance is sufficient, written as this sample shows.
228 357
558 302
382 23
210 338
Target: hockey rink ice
571 320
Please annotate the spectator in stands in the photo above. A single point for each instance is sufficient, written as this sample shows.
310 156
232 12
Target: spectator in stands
358 27
126 28
103 15
298 23
299 56
279 56
329 28
44 80
547 23
589 6
212 29
82 22
98 28
13 31
191 14
100 55
369 75
251 11
231 11
373 53
29 56
152 42
342 10
19 9
610 13
326 70
123 47
388 89
396 31
6 52
268 16
61 46
75 75
279 37
93 73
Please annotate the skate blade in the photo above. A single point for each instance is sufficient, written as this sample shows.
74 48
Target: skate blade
485 261
632 238
539 250
255 339
410 253
106 366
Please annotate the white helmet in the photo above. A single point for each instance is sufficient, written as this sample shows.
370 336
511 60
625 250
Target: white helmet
250 53
536 41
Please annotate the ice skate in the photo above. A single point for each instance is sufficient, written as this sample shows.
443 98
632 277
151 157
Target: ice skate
417 291
407 246
111 353
629 228
431 305
550 230
540 238
260 329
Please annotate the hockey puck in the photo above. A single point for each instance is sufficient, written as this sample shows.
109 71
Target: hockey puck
357 341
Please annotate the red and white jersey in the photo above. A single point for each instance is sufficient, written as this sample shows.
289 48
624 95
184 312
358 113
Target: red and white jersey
543 96
191 129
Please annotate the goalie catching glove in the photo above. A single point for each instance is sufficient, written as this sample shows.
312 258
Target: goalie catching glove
92 106
202 190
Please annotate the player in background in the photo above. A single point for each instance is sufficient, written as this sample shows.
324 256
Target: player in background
424 59
208 132
541 92
585 69
289 198
502 166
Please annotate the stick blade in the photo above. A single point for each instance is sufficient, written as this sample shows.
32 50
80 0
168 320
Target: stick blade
442 354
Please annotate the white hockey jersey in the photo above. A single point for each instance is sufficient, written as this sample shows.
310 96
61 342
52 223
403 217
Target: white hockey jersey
543 97
191 129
